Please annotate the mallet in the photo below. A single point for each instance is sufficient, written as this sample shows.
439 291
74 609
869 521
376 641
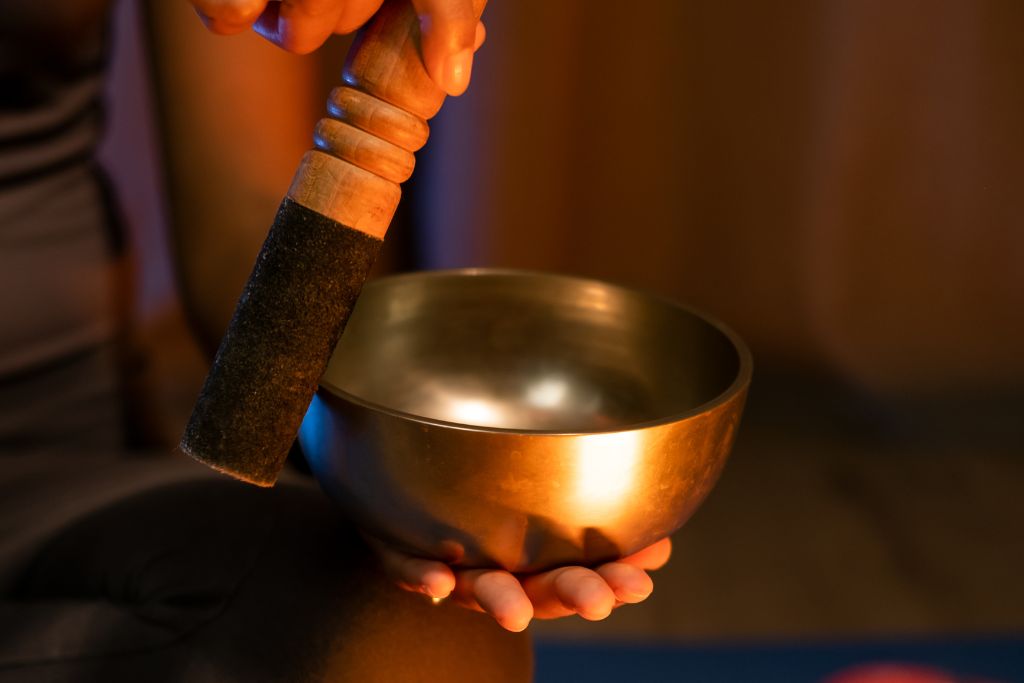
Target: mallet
327 233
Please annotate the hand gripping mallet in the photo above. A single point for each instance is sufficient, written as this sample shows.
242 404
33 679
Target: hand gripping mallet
327 233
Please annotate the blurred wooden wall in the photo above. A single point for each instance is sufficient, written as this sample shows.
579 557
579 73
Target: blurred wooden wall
842 181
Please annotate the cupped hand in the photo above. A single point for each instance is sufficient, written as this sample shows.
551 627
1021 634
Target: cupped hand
451 32
515 601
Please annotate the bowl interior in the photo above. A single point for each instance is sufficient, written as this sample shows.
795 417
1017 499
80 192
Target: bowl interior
528 352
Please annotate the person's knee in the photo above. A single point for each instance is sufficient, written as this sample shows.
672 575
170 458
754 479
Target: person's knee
401 636
377 632
318 607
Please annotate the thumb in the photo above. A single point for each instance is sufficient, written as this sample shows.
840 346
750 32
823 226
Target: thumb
449 29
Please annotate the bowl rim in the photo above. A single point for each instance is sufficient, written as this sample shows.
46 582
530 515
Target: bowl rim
738 385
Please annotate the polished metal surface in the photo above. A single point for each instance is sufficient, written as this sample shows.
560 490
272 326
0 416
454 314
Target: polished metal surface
523 420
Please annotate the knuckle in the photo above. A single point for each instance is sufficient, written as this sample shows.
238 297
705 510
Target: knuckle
347 26
240 11
572 578
296 42
495 580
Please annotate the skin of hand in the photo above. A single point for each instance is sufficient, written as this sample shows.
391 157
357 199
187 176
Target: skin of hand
451 34
514 601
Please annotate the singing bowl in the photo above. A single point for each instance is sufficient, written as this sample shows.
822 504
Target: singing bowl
521 420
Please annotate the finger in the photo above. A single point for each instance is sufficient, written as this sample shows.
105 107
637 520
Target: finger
417 574
299 26
630 584
480 37
497 593
653 556
577 589
449 34
540 589
358 12
355 13
227 17
466 600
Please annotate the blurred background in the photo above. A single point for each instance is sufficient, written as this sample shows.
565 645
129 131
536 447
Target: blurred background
842 182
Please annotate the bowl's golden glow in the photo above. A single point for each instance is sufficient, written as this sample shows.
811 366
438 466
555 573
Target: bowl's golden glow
521 420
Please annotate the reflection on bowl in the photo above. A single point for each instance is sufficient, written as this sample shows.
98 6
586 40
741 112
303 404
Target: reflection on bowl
523 420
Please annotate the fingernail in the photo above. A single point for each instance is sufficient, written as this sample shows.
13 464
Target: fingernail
433 592
516 625
437 585
457 68
632 596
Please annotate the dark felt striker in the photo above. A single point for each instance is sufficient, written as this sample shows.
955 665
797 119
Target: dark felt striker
324 240
287 322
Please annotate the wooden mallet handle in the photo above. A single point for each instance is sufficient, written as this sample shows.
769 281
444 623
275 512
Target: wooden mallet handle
324 240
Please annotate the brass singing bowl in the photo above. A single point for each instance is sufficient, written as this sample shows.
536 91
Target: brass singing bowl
493 418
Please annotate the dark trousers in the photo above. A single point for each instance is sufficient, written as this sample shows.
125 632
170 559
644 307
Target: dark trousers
158 570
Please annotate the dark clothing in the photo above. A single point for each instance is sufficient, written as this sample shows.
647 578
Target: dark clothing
57 251
158 570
